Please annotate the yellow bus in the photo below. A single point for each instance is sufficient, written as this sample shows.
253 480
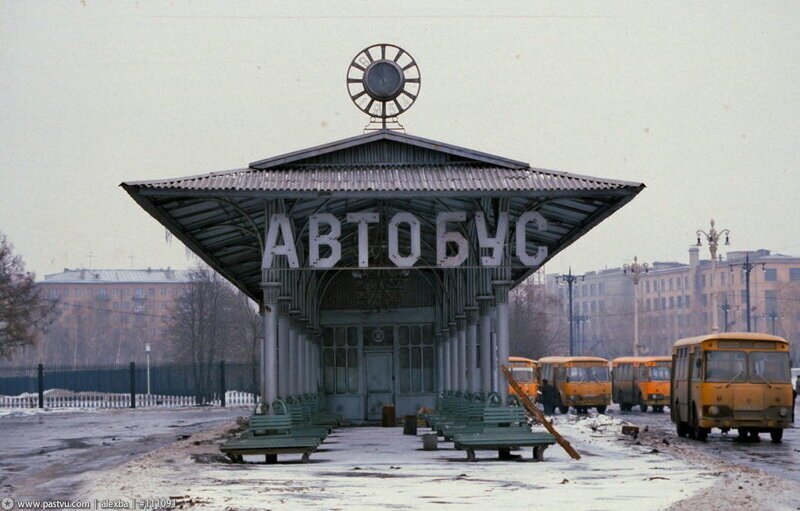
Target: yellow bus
642 381
524 371
579 382
731 380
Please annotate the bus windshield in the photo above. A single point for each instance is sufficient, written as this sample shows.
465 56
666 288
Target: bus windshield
769 367
522 374
659 373
726 366
587 374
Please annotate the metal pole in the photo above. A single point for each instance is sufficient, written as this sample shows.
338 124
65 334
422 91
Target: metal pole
747 288
40 378
222 389
473 384
133 384
455 381
462 353
148 372
714 322
283 346
446 359
635 319
269 363
571 320
485 305
501 296
440 363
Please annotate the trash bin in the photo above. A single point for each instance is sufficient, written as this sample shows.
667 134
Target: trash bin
387 417
430 441
410 425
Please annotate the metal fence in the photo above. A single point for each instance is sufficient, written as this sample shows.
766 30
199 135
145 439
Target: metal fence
131 385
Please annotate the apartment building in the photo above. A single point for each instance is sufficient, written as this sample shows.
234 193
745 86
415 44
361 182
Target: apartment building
675 301
108 315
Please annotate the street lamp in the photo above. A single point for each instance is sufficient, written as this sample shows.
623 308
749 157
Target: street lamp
635 270
725 307
712 238
147 350
773 316
569 279
747 267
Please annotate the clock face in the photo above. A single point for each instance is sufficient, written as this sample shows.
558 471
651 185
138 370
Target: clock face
383 80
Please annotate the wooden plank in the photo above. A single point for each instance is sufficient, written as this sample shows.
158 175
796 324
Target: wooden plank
536 413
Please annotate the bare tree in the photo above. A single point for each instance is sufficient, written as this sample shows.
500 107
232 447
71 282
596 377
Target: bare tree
23 312
536 322
210 321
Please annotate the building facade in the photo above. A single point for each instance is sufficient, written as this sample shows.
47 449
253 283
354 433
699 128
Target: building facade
108 316
675 301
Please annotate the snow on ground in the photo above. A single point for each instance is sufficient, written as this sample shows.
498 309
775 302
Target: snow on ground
380 468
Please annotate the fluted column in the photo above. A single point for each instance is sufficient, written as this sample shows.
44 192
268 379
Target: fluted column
462 352
501 300
269 349
473 383
485 309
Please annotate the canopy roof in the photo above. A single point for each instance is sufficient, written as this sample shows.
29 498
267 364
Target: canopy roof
221 215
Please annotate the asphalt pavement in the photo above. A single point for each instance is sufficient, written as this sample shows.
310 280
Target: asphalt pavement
50 455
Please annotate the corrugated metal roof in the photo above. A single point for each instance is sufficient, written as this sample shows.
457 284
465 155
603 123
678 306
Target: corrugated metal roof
92 276
389 178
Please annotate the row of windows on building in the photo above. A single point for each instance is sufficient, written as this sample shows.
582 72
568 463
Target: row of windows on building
122 306
102 291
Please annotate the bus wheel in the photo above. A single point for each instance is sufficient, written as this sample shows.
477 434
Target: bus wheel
683 429
698 432
563 409
602 409
659 409
643 407
776 434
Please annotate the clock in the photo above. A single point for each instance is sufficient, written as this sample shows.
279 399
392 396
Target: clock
383 80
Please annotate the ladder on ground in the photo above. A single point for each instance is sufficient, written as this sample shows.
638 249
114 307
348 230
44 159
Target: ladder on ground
534 412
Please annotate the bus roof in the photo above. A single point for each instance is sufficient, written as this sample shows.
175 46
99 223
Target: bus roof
734 336
563 360
633 360
521 359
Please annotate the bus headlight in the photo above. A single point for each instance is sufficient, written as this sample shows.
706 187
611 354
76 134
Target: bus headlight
657 397
713 410
574 398
784 411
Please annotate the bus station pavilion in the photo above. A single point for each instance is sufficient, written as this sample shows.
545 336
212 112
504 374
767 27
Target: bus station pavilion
381 263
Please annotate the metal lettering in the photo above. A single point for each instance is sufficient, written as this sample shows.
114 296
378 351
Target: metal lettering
331 239
497 243
279 223
414 232
443 237
363 218
522 242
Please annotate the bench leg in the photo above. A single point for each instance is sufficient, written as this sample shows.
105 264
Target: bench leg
504 453
538 452
305 458
271 459
470 455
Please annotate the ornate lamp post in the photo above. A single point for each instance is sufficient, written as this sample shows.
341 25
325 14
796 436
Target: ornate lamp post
635 270
712 238
569 279
747 267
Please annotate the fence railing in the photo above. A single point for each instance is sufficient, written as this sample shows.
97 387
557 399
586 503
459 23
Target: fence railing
117 386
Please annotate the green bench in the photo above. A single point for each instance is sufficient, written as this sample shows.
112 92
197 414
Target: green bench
270 435
504 429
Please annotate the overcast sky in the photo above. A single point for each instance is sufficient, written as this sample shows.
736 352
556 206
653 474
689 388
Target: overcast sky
698 100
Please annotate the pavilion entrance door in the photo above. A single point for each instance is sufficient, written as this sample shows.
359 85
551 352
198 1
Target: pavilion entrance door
380 382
